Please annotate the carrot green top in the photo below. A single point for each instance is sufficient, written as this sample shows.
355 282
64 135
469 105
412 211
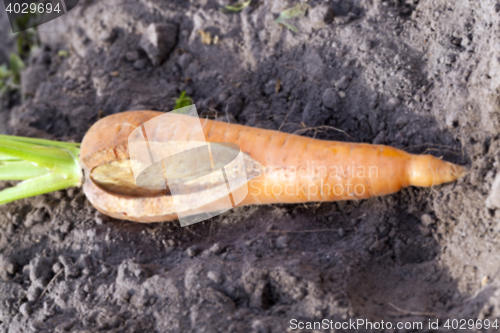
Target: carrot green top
43 166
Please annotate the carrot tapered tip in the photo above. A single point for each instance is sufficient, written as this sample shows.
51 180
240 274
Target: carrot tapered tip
427 170
460 171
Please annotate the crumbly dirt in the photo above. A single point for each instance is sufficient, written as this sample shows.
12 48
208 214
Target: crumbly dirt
423 76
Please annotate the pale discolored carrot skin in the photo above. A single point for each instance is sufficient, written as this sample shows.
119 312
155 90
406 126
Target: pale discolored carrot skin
296 168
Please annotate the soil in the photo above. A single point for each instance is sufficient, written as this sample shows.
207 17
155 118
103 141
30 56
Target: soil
423 76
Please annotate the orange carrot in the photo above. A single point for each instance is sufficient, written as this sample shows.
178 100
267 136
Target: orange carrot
287 168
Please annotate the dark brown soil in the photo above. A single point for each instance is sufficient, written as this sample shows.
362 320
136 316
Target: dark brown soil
422 76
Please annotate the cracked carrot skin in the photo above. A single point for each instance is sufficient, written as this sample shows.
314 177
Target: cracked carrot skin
293 168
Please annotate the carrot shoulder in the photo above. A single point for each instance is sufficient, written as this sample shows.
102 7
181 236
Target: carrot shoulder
294 168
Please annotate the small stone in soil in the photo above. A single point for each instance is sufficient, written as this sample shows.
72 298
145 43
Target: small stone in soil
342 83
330 98
321 15
7 268
427 220
70 270
34 217
57 267
366 46
193 251
109 36
33 293
158 40
25 310
40 270
215 277
449 59
216 248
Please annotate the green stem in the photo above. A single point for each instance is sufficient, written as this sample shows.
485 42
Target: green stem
43 165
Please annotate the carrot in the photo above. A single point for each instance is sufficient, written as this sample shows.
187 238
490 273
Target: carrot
281 167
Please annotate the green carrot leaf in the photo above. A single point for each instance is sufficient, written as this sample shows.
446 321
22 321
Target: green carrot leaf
4 72
5 157
237 7
53 158
182 101
47 183
70 146
20 170
63 54
16 66
295 11
289 26
43 165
